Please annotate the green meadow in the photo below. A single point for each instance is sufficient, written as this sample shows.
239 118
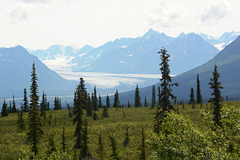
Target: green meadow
14 145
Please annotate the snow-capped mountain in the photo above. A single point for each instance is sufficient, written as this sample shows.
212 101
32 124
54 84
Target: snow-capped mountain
131 55
222 41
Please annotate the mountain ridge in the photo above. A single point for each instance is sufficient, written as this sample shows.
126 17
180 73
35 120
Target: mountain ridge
128 55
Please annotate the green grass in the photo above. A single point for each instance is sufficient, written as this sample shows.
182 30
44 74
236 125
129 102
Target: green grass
13 141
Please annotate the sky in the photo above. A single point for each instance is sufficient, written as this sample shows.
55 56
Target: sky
38 24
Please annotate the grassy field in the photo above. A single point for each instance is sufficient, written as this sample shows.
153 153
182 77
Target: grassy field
13 142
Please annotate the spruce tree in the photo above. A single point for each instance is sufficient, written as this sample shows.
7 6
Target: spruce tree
100 102
20 120
116 100
48 107
43 105
114 154
83 91
129 105
100 147
78 117
143 147
57 103
34 121
25 101
14 109
166 92
105 112
145 102
137 102
107 102
192 98
4 109
153 104
95 100
10 107
199 96
63 143
215 85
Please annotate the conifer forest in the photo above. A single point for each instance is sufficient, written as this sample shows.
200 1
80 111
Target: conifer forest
94 127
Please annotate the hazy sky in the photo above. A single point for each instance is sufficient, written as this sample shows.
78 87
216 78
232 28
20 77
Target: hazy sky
41 23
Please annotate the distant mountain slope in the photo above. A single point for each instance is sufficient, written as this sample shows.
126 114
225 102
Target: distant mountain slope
15 74
133 55
228 62
222 41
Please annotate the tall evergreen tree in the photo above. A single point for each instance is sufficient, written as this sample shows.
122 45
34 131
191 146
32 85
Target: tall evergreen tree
192 98
107 102
145 102
143 147
43 105
166 92
4 109
25 101
137 102
14 109
57 103
114 154
100 147
20 120
199 95
34 121
83 91
100 102
95 99
116 100
153 104
215 85
78 118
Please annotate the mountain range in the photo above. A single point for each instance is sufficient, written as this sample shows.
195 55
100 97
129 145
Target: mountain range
135 55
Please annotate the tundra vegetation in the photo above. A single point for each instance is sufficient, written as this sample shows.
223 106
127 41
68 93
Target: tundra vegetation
90 130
